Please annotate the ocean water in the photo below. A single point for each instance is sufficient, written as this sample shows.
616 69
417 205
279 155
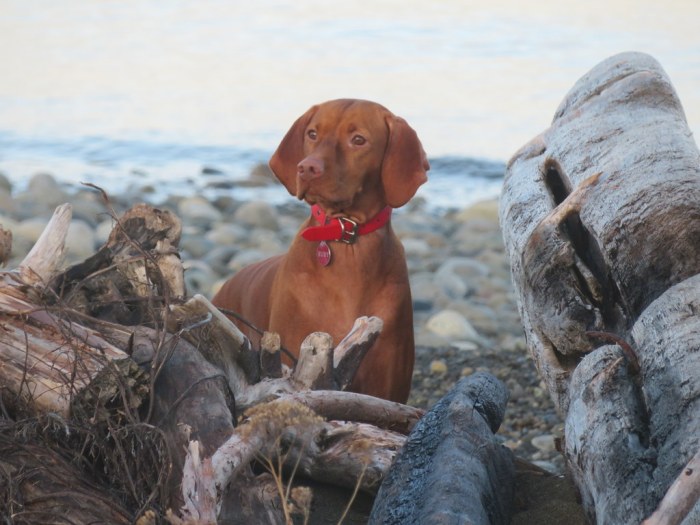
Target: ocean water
124 93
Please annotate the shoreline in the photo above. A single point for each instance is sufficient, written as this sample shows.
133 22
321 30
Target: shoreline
465 317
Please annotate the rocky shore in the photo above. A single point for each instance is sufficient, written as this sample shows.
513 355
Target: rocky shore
465 314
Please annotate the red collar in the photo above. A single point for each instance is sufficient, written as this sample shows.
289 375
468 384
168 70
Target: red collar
342 228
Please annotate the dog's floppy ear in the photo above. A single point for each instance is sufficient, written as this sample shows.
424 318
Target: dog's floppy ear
290 152
405 164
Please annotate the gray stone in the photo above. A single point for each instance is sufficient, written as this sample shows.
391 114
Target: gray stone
244 258
198 211
226 234
415 247
5 183
452 325
7 203
452 285
30 229
80 241
257 214
196 246
199 278
544 443
103 230
219 257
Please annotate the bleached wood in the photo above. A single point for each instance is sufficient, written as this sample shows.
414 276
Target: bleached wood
46 256
601 220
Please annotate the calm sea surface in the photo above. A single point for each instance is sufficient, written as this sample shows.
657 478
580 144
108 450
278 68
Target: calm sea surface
131 92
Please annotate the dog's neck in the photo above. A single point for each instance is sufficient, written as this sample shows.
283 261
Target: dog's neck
342 229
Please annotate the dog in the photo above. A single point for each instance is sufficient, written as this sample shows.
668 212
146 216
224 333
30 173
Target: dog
352 161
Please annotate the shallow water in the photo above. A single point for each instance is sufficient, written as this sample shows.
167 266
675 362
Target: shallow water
122 92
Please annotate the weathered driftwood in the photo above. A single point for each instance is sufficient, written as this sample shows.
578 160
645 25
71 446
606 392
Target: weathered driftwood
680 498
601 218
340 453
46 362
41 486
452 469
199 370
5 245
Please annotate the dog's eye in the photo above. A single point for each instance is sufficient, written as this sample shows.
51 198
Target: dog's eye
358 140
312 134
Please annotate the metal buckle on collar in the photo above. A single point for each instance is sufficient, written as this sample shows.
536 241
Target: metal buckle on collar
348 230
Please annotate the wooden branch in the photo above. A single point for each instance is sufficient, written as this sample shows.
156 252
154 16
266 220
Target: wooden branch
139 260
314 370
48 363
680 499
351 350
335 452
270 355
350 406
452 469
345 454
218 338
47 254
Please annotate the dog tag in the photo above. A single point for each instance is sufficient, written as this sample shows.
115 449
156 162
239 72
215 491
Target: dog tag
323 253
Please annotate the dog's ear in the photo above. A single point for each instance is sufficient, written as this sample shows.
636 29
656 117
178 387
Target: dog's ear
290 152
405 163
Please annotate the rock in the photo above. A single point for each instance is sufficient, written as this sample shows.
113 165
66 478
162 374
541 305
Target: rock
195 245
30 229
227 234
438 367
466 268
244 258
5 183
103 230
257 214
544 443
80 241
451 284
483 211
40 199
451 325
481 316
89 207
470 241
464 346
198 211
199 278
261 171
267 242
7 203
219 257
415 247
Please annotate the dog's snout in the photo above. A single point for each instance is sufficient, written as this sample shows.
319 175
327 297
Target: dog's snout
310 168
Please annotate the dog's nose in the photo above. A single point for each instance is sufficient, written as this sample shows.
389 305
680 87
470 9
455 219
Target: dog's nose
310 168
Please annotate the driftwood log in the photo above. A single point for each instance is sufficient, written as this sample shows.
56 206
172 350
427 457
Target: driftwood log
601 219
458 431
165 407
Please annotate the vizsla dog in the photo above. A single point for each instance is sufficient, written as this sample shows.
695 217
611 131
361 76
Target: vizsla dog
352 161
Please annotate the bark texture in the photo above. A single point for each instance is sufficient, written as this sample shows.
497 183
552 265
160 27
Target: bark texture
452 469
601 219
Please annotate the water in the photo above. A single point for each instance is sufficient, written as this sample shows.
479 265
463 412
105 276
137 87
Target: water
124 92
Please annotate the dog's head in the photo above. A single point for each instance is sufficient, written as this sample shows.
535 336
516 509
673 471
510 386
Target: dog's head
352 158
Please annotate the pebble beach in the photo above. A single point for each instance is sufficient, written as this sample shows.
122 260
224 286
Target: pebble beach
465 315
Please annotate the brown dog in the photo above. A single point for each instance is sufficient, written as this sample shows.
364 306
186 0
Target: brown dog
353 161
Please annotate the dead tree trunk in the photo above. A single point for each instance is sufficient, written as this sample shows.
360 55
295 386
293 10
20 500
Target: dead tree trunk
452 469
601 218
